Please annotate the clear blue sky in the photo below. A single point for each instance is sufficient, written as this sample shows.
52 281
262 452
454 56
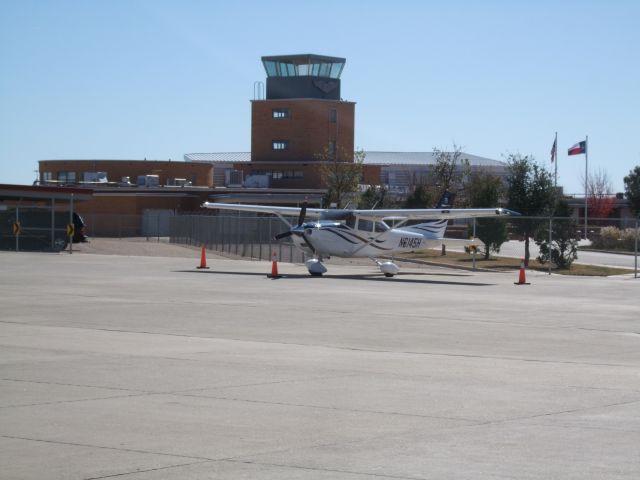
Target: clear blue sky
128 79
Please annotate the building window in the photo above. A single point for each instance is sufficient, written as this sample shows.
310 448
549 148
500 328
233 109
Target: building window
280 113
276 175
298 174
47 176
67 177
280 144
333 116
332 148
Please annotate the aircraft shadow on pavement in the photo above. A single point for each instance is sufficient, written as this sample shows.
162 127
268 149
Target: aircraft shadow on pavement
375 277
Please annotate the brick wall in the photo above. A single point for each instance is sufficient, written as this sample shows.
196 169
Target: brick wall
308 129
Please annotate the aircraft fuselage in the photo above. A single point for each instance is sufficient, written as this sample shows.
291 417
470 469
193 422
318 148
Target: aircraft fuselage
340 240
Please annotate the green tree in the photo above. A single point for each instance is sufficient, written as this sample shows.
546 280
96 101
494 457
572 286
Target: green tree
485 191
420 197
341 173
563 249
531 193
376 197
632 189
450 173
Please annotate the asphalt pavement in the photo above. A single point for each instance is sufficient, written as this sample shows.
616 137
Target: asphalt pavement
142 368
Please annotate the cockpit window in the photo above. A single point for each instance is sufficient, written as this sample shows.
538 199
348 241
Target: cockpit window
365 225
380 226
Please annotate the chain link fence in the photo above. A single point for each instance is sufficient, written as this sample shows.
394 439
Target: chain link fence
610 242
607 242
34 229
241 235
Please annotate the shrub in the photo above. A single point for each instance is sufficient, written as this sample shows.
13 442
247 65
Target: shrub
613 238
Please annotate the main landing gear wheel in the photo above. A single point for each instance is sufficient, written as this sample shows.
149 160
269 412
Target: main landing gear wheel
315 267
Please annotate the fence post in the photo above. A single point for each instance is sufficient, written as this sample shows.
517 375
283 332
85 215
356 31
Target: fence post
18 235
550 240
237 232
473 254
53 223
70 223
260 225
635 275
270 236
218 232
252 242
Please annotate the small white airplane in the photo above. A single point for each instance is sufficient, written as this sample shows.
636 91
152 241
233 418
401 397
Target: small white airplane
365 233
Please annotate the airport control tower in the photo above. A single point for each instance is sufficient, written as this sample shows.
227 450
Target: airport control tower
303 114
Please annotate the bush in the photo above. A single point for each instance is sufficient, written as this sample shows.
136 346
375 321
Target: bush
613 238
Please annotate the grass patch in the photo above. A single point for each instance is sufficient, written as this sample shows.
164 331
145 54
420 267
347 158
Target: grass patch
507 264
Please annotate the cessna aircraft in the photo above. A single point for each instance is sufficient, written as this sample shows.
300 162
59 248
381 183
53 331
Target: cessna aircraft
365 233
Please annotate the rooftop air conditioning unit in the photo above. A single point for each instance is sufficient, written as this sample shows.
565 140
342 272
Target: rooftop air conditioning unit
148 180
95 177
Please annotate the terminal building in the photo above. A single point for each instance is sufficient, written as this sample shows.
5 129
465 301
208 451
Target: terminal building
298 122
302 122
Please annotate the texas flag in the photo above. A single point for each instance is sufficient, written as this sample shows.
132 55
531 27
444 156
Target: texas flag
578 148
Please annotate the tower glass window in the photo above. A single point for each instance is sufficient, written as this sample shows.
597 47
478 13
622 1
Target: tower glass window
303 66
280 144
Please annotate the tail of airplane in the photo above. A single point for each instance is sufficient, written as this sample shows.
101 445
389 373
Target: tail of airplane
434 229
446 201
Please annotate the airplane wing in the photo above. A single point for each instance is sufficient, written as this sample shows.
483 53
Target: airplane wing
293 211
432 213
393 214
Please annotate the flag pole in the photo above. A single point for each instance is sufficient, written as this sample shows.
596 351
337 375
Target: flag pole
586 182
555 180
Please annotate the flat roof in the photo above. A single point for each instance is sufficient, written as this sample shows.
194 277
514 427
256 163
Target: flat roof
303 59
371 158
39 192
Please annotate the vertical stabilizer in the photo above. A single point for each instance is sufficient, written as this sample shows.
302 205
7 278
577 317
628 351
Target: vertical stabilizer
446 201
435 228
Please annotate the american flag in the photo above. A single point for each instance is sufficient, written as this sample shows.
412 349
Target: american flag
554 152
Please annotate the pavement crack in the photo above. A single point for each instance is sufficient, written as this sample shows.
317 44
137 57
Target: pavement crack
146 470
341 347
118 449
328 470
75 400
41 382
561 412
260 384
337 409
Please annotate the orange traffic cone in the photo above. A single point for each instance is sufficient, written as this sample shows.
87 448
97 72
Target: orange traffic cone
203 258
274 266
522 280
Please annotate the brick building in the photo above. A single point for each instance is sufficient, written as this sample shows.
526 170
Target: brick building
124 173
301 123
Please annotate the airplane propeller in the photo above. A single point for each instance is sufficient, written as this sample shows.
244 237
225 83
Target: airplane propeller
298 228
303 213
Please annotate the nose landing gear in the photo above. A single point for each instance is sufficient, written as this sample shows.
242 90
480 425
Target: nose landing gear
315 267
388 268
